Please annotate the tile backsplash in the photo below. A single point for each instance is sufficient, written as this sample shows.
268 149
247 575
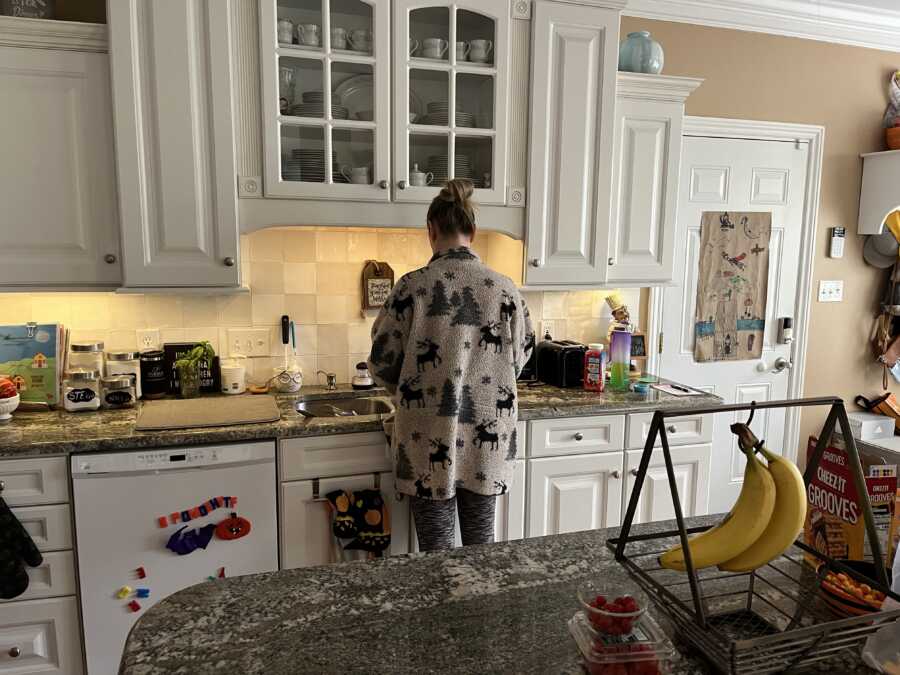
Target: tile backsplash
312 274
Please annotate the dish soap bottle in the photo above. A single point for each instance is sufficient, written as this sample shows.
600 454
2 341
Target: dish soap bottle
594 367
362 379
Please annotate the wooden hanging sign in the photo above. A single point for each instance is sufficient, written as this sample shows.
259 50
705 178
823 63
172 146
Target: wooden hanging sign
377 283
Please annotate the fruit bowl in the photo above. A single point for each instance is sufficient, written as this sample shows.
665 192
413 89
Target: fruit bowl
611 610
7 406
844 595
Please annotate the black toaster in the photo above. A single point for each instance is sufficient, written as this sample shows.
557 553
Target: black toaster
560 362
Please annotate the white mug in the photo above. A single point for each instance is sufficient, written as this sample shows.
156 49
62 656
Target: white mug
338 38
413 46
358 175
285 31
434 48
308 34
233 379
419 178
462 51
480 50
360 40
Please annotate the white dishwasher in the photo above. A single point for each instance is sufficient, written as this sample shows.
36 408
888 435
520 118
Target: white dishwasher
128 506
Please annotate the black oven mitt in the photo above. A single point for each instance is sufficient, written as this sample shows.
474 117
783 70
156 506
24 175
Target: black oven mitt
16 550
372 522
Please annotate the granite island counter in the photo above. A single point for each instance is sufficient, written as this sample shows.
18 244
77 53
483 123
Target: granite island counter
57 432
500 608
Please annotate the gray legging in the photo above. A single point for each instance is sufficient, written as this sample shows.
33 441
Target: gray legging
436 520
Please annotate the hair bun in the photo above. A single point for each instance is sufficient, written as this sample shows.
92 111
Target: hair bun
459 190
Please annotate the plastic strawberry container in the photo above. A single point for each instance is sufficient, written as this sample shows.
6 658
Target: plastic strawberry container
619 609
645 651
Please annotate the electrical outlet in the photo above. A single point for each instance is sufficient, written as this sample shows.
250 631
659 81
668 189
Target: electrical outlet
249 341
147 338
547 326
831 291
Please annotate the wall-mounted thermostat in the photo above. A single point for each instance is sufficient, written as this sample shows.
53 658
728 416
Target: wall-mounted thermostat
836 249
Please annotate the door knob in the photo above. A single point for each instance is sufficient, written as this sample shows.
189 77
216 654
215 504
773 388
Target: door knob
383 184
229 261
535 262
109 259
402 185
15 652
615 474
578 436
781 364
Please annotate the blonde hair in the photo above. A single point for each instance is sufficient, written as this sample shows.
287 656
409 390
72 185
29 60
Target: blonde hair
452 212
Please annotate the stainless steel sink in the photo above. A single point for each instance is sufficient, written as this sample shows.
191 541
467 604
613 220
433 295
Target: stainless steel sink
344 407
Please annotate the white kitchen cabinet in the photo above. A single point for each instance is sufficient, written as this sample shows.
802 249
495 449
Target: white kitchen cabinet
573 96
576 435
326 110
682 430
647 156
305 523
40 637
171 75
509 518
578 492
691 466
60 222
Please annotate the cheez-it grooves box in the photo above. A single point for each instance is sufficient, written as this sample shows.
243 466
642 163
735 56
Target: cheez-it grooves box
834 520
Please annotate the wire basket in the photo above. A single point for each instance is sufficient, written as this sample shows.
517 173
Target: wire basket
769 620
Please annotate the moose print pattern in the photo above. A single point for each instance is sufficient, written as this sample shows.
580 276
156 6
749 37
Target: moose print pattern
449 344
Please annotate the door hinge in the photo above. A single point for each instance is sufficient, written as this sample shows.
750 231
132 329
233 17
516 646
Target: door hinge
659 343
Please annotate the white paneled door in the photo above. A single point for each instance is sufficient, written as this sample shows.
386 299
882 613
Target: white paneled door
724 174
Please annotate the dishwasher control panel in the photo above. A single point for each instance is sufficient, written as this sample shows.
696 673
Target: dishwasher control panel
166 459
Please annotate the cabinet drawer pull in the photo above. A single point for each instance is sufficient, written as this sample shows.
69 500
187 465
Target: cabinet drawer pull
109 259
229 261
615 474
15 652
578 436
671 429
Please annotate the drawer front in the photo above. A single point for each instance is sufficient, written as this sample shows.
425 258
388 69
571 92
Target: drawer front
53 578
341 455
576 435
686 430
50 527
34 481
40 637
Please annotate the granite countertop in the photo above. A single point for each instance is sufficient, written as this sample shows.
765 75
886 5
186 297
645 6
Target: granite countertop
486 609
58 432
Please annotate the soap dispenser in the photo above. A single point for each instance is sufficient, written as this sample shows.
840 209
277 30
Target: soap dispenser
362 379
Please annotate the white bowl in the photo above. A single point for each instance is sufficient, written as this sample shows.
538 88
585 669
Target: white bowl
7 405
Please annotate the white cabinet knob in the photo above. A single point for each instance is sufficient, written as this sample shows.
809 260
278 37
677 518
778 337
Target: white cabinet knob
578 436
229 261
383 184
610 261
15 652
402 185
109 259
535 262
634 472
615 474
671 429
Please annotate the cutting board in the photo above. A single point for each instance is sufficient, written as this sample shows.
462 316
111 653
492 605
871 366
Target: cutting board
193 413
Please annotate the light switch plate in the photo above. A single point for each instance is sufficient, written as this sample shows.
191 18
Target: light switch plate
831 290
249 341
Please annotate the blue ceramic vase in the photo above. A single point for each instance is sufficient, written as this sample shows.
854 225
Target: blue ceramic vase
640 53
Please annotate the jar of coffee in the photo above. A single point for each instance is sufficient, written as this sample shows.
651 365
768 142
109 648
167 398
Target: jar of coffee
154 382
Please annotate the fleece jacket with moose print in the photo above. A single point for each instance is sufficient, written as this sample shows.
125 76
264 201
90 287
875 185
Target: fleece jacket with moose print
449 343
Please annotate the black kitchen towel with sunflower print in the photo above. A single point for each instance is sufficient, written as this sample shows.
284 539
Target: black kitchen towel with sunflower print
16 550
373 530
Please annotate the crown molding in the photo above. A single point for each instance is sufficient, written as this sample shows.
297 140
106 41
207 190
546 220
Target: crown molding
655 87
617 5
823 20
50 34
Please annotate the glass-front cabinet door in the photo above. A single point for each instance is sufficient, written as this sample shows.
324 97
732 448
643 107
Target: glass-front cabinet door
450 97
326 76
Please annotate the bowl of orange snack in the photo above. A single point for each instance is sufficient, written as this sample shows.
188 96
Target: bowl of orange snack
846 596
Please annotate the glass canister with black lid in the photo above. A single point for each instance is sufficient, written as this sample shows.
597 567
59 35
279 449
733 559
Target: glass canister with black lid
117 392
154 382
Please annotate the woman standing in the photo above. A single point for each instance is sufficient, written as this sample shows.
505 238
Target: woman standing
449 344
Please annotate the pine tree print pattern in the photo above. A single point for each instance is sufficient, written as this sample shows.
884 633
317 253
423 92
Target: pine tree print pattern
451 339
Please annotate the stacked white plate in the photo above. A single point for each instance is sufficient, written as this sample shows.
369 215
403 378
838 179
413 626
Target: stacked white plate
308 165
439 114
314 106
438 165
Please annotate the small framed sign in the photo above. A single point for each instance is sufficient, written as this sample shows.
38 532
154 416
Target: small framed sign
29 9
377 283
638 346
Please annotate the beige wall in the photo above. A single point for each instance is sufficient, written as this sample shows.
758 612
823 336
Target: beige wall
311 274
765 77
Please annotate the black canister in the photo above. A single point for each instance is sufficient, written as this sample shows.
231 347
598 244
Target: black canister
154 383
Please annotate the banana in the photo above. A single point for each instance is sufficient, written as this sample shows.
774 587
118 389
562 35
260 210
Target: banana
741 527
787 518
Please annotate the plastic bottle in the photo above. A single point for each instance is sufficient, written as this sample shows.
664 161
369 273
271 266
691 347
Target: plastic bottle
594 367
619 358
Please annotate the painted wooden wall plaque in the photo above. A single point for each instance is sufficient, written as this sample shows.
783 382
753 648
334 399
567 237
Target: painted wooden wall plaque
377 282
